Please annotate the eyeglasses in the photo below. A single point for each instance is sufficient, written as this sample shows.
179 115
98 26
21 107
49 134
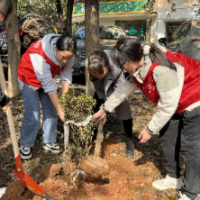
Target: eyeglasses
122 64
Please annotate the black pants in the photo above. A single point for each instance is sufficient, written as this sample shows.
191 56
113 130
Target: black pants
99 102
127 124
182 134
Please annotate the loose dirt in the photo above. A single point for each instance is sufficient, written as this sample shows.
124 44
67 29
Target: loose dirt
129 178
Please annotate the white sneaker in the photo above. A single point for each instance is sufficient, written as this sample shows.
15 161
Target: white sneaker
25 152
168 183
54 148
185 197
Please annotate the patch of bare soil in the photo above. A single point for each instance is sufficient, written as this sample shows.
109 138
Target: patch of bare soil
129 178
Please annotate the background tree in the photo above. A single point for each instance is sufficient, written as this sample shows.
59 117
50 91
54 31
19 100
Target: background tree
92 41
14 51
70 4
59 11
49 9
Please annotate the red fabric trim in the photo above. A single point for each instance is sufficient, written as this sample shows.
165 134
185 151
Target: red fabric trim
26 72
2 30
191 86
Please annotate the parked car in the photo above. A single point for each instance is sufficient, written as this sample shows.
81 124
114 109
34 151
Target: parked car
186 39
108 38
31 28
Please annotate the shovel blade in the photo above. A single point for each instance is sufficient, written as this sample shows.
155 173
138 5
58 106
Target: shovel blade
29 183
21 177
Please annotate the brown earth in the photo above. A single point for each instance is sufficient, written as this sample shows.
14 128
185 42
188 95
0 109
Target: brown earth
129 178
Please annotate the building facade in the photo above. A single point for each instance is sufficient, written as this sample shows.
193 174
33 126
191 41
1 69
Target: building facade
130 15
136 21
166 21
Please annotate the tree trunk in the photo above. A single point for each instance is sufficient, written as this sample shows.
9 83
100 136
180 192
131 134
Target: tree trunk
59 11
148 29
92 41
70 4
14 51
59 7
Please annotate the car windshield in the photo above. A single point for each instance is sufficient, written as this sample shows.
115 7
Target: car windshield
80 33
111 33
106 32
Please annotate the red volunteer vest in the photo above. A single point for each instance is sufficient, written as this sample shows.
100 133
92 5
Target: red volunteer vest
191 86
26 72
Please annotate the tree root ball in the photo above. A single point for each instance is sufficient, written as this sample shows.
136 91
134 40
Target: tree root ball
95 165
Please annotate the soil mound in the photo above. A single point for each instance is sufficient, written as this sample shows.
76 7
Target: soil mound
129 179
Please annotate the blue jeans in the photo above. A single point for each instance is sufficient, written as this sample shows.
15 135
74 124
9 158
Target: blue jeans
31 120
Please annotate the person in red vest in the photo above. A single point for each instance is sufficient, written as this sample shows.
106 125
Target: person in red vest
172 81
39 64
5 10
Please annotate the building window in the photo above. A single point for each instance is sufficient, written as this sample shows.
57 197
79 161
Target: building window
134 28
171 29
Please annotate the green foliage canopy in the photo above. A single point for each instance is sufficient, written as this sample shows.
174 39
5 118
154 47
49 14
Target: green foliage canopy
44 8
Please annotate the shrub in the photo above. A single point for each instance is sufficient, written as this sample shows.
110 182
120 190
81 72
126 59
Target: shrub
77 106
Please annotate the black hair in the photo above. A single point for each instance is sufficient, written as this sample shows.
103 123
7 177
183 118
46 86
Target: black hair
5 8
66 42
97 60
159 57
128 49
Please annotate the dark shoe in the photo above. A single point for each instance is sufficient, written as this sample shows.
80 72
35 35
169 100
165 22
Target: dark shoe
129 147
25 153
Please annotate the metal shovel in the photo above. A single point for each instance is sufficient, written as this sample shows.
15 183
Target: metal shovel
25 179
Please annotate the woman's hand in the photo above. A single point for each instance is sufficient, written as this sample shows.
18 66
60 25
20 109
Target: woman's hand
55 101
5 107
61 115
144 136
100 115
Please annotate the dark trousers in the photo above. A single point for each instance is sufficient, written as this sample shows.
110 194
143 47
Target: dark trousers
99 102
182 134
127 124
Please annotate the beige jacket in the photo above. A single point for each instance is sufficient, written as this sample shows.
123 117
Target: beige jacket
169 85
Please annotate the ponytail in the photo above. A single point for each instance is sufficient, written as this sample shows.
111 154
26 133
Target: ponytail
157 56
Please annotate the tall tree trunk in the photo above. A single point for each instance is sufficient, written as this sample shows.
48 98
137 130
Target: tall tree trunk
59 7
70 4
60 11
92 41
14 51
148 29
